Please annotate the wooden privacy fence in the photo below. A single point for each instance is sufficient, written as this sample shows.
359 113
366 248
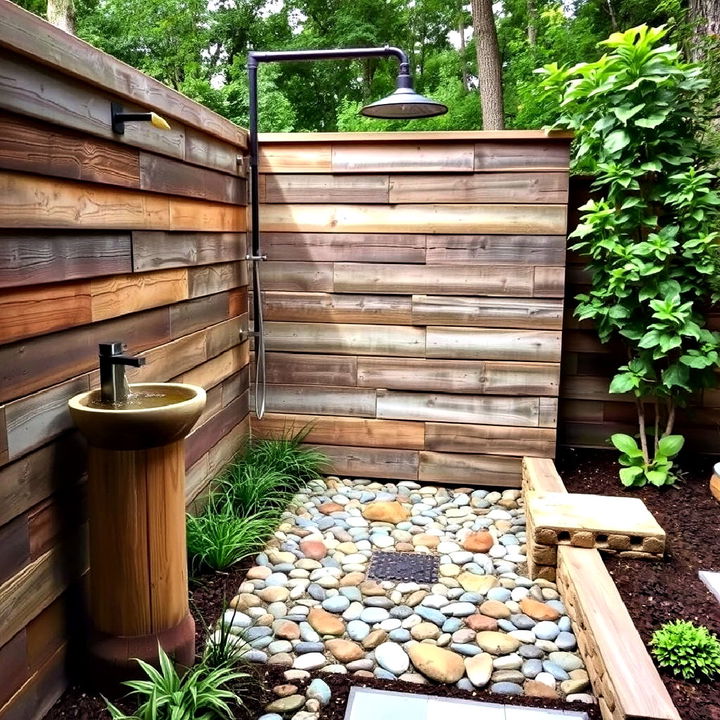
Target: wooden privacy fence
137 237
414 298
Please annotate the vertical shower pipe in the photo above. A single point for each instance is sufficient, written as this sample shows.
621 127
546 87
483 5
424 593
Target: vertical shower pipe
404 90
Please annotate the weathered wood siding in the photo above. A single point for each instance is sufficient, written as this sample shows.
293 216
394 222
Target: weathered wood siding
414 299
139 237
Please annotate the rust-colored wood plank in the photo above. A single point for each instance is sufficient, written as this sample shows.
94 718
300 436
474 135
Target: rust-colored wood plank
375 157
318 400
33 147
301 369
40 309
433 407
155 250
458 469
297 276
28 258
238 301
28 35
15 665
347 339
493 344
211 279
496 312
123 294
530 187
521 219
489 439
51 519
163 175
42 93
36 419
32 364
515 281
214 371
324 188
459 376
496 249
344 247
359 432
188 214
371 462
295 158
192 315
14 547
326 307
529 155
48 631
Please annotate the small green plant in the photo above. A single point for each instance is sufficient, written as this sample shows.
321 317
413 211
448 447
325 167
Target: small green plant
202 693
253 488
636 471
219 537
689 651
650 232
224 648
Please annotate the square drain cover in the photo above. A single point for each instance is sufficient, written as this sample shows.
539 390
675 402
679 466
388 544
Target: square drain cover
404 567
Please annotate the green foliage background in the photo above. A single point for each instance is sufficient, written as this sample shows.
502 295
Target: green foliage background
199 48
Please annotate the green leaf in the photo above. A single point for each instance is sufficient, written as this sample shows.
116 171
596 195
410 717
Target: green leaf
652 121
626 444
625 382
629 475
671 445
625 113
616 141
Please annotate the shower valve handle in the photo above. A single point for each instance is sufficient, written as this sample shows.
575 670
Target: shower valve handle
256 257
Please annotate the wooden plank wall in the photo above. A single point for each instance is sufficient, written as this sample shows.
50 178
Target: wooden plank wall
588 413
140 238
414 299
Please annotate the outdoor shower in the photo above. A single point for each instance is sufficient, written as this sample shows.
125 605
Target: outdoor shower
403 103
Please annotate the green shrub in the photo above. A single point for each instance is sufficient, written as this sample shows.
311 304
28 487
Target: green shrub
219 537
202 693
253 488
650 232
687 650
286 455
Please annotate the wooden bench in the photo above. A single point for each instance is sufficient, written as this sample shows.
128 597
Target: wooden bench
621 671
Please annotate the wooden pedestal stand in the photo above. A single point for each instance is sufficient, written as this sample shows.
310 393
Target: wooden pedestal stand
138 565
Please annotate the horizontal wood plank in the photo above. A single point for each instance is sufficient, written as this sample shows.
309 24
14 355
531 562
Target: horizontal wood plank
345 339
154 250
299 276
295 158
371 462
536 155
344 247
318 400
493 344
409 279
302 369
472 470
538 187
549 282
325 188
374 157
518 313
431 218
496 249
490 439
340 430
210 279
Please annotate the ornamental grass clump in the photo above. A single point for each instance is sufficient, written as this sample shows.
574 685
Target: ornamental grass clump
650 232
688 651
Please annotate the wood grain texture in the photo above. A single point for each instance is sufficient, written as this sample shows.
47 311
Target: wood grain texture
318 400
536 155
155 250
344 247
433 407
414 136
549 282
210 152
489 439
28 35
367 462
210 279
460 469
429 218
325 188
346 339
15 550
456 376
327 307
374 157
520 313
33 147
28 258
493 344
297 369
295 158
538 187
340 430
187 317
496 249
299 276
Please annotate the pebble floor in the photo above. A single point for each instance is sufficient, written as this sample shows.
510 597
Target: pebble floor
308 604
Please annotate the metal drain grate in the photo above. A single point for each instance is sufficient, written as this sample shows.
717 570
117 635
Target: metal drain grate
404 567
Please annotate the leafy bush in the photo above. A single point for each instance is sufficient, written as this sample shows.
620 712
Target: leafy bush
651 231
202 693
219 537
637 471
687 650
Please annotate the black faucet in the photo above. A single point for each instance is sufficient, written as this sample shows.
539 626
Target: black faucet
113 386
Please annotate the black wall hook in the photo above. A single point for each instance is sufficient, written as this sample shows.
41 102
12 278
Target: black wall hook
119 118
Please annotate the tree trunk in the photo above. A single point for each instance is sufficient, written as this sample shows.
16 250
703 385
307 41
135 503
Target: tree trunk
463 66
61 13
489 68
532 22
705 16
613 18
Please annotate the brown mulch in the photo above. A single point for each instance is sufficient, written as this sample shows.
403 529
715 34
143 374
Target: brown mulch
659 592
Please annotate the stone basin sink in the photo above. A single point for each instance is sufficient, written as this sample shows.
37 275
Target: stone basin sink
155 414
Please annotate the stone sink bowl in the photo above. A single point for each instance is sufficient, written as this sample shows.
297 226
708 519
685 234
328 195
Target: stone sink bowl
162 414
